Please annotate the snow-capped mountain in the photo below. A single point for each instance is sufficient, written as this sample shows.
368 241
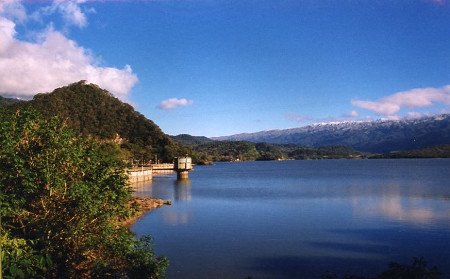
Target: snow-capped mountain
371 136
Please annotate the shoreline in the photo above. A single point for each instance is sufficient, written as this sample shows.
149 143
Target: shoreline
143 205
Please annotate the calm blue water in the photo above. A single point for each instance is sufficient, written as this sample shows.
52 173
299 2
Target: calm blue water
299 219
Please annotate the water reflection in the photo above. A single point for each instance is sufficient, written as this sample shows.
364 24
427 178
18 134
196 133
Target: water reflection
183 190
142 188
397 206
173 217
165 188
289 266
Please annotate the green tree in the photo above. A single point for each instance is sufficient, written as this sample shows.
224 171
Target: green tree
62 198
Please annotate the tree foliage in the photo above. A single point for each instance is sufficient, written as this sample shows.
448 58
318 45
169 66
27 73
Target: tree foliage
61 200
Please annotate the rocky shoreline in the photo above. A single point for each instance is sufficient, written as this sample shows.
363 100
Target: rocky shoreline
142 206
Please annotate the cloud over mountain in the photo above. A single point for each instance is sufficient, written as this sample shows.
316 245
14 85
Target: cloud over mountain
415 98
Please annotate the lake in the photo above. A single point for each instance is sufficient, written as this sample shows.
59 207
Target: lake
300 219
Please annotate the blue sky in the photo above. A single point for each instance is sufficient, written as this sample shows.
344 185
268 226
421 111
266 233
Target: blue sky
213 68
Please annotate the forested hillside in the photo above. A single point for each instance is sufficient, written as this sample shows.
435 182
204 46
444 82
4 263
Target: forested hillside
191 140
93 111
8 101
438 151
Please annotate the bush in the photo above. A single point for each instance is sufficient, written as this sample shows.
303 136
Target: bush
61 199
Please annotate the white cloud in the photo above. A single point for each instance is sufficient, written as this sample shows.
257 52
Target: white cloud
13 9
70 11
174 103
51 61
415 98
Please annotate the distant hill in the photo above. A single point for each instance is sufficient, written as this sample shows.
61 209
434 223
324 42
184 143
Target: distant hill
93 111
8 101
439 151
375 136
191 140
212 151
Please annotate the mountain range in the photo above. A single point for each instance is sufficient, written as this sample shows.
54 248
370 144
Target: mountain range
379 136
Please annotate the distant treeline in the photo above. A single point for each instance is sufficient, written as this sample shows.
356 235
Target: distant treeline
205 150
440 151
8 101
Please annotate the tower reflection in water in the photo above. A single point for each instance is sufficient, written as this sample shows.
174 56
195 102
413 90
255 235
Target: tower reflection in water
183 190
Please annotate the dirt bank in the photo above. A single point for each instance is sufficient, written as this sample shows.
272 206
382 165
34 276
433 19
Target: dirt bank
142 206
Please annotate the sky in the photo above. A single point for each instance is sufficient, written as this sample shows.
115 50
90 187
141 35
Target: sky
215 68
